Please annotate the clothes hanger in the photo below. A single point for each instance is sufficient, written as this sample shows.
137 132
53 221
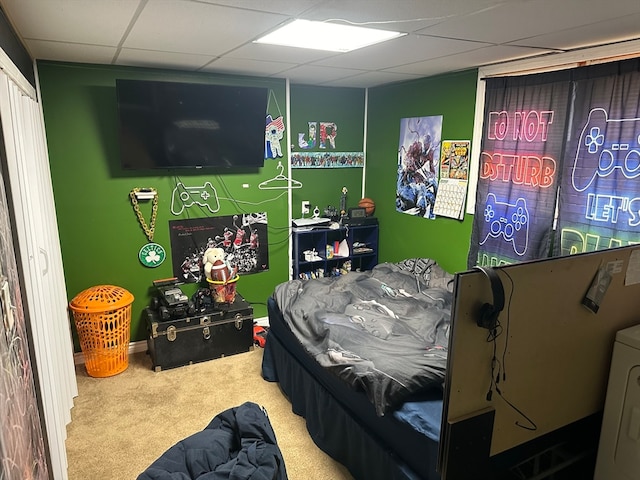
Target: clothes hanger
276 182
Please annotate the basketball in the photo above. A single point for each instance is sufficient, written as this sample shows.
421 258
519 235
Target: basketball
368 205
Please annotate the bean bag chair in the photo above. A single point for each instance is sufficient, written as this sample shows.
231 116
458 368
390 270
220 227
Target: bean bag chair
238 444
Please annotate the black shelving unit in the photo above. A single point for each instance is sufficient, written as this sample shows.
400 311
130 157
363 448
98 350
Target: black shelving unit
361 240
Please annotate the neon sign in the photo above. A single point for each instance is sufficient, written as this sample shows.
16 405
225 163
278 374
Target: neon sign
509 221
607 208
518 169
527 126
573 241
605 167
605 146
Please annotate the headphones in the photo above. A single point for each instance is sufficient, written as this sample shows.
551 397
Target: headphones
488 313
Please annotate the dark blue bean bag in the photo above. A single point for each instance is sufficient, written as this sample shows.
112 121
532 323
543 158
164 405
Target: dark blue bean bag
238 444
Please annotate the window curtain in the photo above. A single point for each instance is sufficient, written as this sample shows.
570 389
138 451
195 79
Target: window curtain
520 164
599 202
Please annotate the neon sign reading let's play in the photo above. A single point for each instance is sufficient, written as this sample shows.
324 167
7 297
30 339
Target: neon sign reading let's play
604 172
520 169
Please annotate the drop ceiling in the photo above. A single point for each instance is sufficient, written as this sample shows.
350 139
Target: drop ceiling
217 35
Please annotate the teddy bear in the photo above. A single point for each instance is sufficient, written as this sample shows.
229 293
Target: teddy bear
215 266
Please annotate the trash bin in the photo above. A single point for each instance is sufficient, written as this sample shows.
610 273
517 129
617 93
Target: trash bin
102 315
223 291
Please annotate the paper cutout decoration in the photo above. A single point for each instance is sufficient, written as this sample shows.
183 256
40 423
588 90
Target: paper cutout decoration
274 132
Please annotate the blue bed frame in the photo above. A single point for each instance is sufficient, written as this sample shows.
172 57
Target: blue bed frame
343 422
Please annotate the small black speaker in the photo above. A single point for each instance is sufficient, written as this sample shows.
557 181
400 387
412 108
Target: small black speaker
489 312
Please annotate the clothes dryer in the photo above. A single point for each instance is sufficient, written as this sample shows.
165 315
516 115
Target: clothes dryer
619 446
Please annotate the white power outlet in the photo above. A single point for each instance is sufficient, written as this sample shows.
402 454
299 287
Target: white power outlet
305 207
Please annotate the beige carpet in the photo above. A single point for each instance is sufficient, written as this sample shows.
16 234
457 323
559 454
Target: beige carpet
121 424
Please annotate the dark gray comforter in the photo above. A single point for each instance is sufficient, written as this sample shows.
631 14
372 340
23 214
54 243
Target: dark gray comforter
384 331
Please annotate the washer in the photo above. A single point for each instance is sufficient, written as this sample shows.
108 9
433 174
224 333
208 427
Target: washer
619 447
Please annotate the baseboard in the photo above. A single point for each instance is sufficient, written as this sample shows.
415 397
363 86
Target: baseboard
134 347
141 346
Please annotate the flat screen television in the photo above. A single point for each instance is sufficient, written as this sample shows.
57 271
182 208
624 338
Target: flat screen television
190 125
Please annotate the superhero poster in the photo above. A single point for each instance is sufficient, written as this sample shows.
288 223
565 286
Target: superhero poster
242 237
418 165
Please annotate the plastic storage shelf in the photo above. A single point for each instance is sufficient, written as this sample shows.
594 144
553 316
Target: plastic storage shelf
314 252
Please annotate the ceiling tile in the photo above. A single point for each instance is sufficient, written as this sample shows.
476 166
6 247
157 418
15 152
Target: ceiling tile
197 28
399 52
318 75
371 79
217 35
625 28
71 52
524 19
247 67
475 58
278 53
153 58
282 7
97 22
404 16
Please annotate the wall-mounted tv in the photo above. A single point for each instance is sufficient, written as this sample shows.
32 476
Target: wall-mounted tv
190 125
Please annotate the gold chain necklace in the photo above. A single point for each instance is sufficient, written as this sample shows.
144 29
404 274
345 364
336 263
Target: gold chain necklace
148 230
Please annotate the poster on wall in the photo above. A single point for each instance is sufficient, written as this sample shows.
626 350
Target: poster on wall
599 203
242 237
327 159
454 177
520 163
320 135
418 165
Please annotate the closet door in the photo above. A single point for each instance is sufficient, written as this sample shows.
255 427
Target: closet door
22 449
31 194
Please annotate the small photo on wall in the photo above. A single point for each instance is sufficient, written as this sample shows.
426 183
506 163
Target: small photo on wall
418 165
242 237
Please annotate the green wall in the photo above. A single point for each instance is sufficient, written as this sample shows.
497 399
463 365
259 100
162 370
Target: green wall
99 233
345 107
404 236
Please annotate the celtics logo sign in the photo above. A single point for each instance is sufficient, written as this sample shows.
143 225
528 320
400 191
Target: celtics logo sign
152 255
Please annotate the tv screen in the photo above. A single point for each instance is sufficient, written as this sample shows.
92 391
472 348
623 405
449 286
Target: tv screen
190 125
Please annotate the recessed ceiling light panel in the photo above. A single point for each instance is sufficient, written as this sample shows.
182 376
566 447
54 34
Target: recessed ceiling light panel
332 37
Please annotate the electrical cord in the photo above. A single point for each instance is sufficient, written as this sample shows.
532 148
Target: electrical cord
506 341
498 368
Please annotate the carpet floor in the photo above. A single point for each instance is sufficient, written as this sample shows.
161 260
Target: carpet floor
121 424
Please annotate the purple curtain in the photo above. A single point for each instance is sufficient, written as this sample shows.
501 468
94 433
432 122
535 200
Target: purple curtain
520 164
599 202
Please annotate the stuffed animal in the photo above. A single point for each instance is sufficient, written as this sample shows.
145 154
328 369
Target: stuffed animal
215 266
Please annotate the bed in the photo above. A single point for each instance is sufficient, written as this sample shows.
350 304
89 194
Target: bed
541 419
333 347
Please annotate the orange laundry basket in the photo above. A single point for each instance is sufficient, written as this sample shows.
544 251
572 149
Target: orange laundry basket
102 315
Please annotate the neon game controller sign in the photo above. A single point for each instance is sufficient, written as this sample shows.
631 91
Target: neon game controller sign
605 171
508 221
517 137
